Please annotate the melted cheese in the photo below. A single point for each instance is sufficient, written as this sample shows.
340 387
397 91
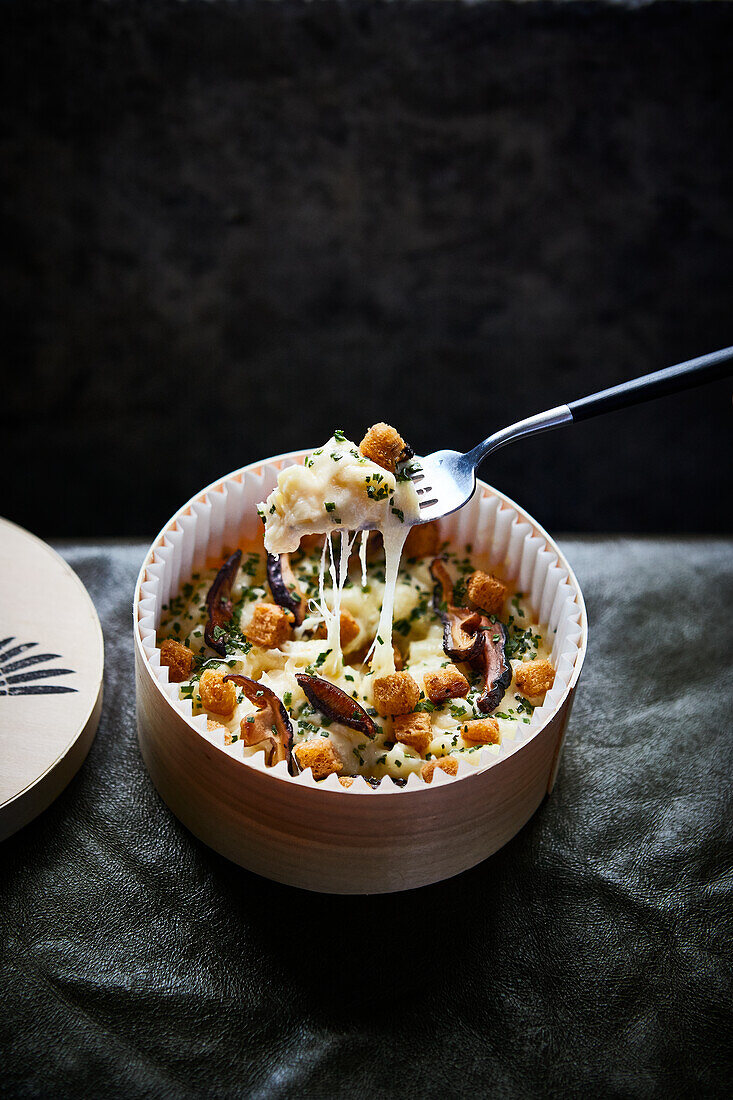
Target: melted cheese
330 613
339 490
381 650
336 489
418 630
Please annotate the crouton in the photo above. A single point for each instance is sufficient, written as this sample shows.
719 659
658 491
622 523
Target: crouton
534 677
395 694
486 592
383 445
346 780
270 626
349 629
178 659
447 764
446 683
319 755
484 731
215 695
423 541
414 730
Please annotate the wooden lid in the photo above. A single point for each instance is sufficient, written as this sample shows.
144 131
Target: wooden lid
51 664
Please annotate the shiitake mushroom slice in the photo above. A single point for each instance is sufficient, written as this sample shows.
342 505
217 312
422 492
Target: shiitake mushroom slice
219 604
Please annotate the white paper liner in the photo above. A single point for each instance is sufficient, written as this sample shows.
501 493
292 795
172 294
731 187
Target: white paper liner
225 513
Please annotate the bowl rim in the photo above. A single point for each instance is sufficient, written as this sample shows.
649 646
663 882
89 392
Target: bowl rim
337 790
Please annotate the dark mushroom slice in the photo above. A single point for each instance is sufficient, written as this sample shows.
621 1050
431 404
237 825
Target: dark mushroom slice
271 724
461 633
443 590
285 589
335 704
461 625
491 663
218 603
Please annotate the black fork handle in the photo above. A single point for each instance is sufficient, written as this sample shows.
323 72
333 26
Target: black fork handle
706 368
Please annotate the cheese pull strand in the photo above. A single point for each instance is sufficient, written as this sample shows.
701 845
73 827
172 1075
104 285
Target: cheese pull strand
331 616
339 490
394 537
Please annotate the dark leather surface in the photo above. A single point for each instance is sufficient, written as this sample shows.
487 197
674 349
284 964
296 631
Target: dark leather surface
591 956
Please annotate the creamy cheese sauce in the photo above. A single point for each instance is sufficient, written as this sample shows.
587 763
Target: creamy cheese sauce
418 633
337 488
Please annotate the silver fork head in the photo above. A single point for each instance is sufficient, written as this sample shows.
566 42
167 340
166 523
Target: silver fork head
445 482
447 479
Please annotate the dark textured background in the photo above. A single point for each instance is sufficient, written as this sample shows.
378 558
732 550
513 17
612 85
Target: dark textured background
590 957
231 227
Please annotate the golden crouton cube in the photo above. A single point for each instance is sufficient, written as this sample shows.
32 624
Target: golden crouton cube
270 626
178 659
319 755
535 677
346 780
484 731
383 445
215 695
423 541
486 592
447 764
446 683
395 694
349 629
414 730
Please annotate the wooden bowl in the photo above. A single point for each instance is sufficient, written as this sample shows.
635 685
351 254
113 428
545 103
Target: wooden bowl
323 836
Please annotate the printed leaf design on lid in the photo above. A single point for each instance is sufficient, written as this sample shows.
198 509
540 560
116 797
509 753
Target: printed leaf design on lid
19 677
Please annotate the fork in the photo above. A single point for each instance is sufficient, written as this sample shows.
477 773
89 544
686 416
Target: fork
446 480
